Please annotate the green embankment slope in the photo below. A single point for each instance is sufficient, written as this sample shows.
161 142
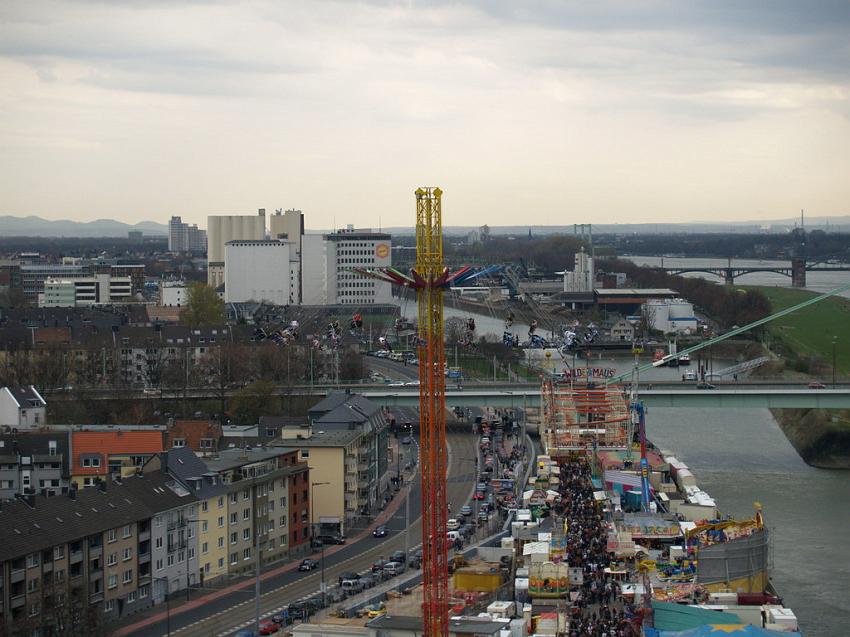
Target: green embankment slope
810 331
821 437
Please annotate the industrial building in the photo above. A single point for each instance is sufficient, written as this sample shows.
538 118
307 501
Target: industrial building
224 228
671 315
266 270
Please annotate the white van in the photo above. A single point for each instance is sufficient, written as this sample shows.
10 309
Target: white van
453 535
452 524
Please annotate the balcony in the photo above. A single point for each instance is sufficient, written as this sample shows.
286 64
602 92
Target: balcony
95 551
76 557
94 598
47 567
19 601
144 535
363 484
18 576
144 557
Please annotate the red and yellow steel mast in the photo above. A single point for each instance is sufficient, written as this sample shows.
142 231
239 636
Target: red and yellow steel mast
432 410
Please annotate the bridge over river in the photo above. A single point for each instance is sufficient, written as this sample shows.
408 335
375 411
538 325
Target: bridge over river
796 271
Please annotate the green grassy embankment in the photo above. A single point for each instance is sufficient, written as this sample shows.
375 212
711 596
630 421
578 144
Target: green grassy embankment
805 339
809 333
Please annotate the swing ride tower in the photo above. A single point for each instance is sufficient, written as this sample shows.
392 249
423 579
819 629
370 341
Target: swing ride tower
432 411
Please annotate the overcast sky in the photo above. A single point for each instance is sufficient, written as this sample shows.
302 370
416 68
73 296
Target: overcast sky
522 112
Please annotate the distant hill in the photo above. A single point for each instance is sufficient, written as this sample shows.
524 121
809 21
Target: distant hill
38 227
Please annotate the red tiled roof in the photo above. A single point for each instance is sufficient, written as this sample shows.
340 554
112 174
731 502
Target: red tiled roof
110 443
191 431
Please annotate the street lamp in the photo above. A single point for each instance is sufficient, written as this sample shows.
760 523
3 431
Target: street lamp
313 486
834 341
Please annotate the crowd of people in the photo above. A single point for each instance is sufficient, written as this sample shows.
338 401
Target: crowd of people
597 609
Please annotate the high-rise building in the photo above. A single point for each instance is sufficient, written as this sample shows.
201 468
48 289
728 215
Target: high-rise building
224 228
326 265
183 237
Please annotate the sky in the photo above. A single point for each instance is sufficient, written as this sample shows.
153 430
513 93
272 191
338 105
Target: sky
538 113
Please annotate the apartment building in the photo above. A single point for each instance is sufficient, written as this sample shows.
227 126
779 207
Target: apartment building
22 408
346 443
183 237
210 520
267 492
102 451
99 289
77 560
34 462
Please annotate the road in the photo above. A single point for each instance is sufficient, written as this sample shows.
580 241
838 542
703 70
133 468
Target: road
220 617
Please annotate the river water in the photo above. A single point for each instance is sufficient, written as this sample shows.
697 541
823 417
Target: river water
740 456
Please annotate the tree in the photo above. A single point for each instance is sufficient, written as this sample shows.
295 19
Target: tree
253 401
203 307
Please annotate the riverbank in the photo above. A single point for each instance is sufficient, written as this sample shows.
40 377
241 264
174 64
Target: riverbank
820 436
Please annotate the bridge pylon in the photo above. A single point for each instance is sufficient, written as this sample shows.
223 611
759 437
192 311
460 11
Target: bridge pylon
798 272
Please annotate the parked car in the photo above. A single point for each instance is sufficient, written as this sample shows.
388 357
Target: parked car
377 610
817 386
398 556
268 627
394 568
298 610
348 575
706 386
452 524
406 440
352 586
308 565
380 531
466 510
478 495
483 516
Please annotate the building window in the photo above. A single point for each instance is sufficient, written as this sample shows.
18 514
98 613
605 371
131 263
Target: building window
170 560
233 497
246 554
144 591
181 557
159 564
246 514
178 442
131 597
58 552
246 534
221 502
159 542
128 554
205 526
112 582
128 576
191 553
221 562
246 493
220 542
33 560
32 585
205 506
205 548
234 557
305 453
112 560
234 517
220 521
35 609
109 605
234 537
91 461
127 530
